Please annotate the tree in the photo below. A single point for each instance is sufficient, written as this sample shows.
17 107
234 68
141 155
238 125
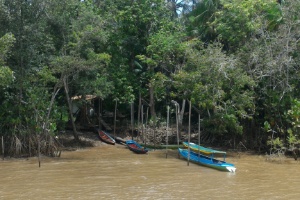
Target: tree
199 20
233 22
165 56
82 66
216 83
272 61
53 48
23 108
136 22
237 20
6 74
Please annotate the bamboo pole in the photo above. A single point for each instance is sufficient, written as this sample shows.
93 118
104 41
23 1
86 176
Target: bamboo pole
177 130
115 119
176 115
146 125
189 136
199 136
168 108
39 151
2 147
142 122
29 147
132 119
139 114
154 133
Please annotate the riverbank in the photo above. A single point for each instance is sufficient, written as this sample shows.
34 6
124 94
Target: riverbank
91 139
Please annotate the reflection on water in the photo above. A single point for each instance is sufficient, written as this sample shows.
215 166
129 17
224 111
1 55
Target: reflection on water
114 172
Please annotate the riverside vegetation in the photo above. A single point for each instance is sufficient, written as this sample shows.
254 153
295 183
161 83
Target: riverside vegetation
235 62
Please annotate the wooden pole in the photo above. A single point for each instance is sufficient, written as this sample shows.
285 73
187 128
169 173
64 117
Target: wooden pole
177 131
2 148
39 151
147 112
139 114
189 136
199 136
154 138
132 118
29 147
115 118
142 122
177 122
168 108
146 125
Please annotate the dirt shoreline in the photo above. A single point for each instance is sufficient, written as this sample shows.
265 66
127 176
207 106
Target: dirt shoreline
91 139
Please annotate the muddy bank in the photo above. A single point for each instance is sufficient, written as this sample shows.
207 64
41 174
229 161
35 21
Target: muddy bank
151 137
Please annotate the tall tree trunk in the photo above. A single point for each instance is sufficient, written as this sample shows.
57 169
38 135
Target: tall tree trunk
70 109
20 39
181 112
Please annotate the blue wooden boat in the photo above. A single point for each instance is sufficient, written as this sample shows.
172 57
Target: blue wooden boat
136 147
207 161
203 150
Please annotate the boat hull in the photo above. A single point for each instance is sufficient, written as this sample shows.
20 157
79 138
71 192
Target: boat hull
205 151
207 161
135 147
105 137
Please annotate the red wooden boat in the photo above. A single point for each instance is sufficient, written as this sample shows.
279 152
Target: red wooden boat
105 137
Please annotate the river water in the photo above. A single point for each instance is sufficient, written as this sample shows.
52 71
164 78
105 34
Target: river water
114 172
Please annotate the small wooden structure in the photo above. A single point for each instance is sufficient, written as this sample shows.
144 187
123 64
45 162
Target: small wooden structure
87 116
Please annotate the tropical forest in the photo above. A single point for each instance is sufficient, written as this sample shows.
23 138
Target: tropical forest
232 66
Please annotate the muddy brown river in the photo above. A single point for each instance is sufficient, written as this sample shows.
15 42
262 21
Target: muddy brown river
114 172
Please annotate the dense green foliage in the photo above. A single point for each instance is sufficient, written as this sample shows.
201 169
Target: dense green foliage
236 61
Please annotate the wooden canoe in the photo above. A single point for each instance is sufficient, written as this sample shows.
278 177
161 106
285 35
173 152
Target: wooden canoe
105 137
203 150
207 161
135 147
